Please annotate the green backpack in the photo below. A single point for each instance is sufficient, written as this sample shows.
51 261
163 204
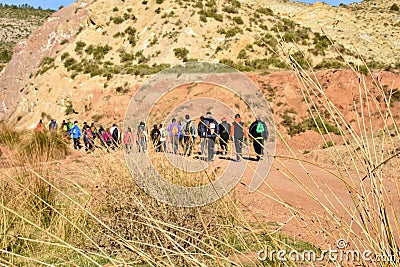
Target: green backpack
260 128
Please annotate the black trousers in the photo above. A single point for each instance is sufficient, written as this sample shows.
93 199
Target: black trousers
258 145
211 149
188 142
77 143
224 142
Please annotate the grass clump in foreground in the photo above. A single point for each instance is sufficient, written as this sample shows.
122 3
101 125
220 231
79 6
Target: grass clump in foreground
91 212
43 147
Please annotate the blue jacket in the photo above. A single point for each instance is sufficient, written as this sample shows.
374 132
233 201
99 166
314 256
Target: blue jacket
75 131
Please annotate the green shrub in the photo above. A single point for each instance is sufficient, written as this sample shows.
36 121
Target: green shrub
394 7
131 31
319 124
238 20
321 43
98 51
211 13
79 47
159 2
117 19
231 32
69 63
328 144
230 9
181 53
305 63
203 18
125 57
363 69
47 61
242 54
265 10
5 55
199 4
46 64
64 55
329 64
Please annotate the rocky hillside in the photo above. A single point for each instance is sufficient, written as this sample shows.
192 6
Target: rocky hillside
86 61
16 24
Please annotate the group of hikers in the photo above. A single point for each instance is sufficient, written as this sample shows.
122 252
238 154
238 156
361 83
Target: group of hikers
184 135
208 130
110 138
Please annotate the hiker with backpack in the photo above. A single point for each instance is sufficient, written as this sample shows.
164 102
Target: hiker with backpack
100 134
155 137
163 138
224 131
106 137
75 132
258 132
128 140
142 137
39 127
211 135
189 135
70 125
53 126
202 131
88 136
174 130
239 136
116 135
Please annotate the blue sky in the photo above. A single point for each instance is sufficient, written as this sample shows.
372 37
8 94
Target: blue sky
55 4
45 4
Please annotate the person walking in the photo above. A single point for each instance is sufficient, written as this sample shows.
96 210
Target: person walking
116 135
202 131
128 140
212 133
39 127
53 126
189 135
75 132
155 137
106 137
163 138
88 136
259 133
239 136
174 130
224 132
142 137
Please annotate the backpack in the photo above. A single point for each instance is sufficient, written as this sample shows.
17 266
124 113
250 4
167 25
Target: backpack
188 128
223 129
212 127
260 128
89 134
202 128
115 133
38 127
175 130
65 127
141 132
163 134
